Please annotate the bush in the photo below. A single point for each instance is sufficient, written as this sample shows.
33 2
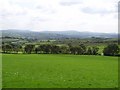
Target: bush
111 50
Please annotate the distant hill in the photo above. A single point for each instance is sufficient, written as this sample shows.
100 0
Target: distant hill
44 35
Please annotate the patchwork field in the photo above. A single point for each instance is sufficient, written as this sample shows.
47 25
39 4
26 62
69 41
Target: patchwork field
59 71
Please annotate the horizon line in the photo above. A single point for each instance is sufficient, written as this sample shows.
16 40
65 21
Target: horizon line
58 31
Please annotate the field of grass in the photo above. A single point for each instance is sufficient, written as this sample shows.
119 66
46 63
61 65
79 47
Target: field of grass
0 71
59 71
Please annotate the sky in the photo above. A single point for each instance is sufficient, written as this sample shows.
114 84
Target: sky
60 15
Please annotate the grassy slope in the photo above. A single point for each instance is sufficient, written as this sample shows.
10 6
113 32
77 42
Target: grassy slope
0 71
59 71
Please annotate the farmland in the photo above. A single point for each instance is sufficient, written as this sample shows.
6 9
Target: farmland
59 71
101 43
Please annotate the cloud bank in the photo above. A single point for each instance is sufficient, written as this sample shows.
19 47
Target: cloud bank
53 15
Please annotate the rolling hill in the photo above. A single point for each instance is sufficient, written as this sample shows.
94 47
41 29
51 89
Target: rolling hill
44 35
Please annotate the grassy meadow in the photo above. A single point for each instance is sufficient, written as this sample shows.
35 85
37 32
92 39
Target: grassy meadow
59 71
0 71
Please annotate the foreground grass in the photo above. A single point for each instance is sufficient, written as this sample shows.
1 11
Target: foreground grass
59 71
0 71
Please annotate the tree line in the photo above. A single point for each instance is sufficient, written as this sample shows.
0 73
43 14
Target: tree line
110 50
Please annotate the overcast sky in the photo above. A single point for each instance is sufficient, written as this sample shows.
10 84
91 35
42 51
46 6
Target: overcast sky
54 15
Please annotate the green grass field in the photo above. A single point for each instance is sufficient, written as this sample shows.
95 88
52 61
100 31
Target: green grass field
0 71
59 71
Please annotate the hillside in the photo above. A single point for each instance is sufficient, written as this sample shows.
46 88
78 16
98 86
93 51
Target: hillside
44 35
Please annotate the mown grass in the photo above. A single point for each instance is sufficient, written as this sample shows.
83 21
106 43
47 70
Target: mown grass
59 71
0 71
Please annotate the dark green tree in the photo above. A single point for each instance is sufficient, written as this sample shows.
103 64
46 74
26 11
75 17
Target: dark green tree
29 48
16 48
55 49
79 50
95 50
7 48
89 51
45 48
36 50
83 48
74 50
111 50
64 49
4 48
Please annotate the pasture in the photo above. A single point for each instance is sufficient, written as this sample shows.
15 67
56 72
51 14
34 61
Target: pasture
59 71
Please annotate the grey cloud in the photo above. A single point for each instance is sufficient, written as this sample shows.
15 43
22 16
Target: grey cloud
115 16
22 4
39 7
46 9
40 19
70 2
97 11
6 14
